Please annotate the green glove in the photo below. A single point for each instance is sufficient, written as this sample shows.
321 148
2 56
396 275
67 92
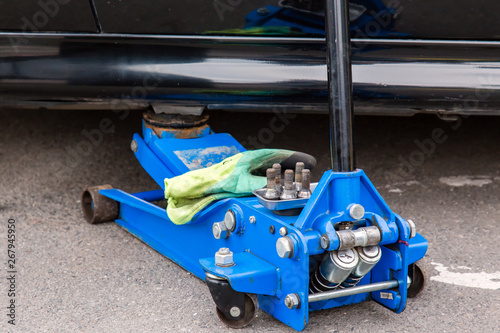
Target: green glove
236 176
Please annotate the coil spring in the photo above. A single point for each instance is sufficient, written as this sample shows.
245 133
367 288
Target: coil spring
351 281
319 284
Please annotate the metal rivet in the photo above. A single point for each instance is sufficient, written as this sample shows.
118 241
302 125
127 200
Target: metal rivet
235 311
283 231
252 219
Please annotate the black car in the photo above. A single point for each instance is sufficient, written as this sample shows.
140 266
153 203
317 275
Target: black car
409 56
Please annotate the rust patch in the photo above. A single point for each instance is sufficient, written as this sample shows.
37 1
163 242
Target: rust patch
176 126
178 133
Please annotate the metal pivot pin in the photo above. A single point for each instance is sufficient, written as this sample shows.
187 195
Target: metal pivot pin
277 169
305 192
298 175
271 192
289 192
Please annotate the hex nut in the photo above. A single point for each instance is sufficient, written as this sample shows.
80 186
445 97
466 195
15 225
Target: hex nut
292 301
224 258
284 247
283 231
219 230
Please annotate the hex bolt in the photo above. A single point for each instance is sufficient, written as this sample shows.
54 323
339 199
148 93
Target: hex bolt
230 220
133 146
413 228
224 250
252 219
235 311
292 301
305 192
284 247
277 169
219 230
325 242
357 212
224 257
283 231
289 192
271 192
298 175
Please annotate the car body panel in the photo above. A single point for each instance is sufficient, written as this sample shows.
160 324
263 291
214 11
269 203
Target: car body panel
30 16
259 55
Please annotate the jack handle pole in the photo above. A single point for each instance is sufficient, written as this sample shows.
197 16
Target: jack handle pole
340 85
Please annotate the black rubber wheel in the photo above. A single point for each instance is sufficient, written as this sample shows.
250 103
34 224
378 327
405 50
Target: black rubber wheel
251 308
421 271
98 208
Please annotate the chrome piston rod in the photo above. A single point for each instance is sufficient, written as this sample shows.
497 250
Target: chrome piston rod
352 291
366 236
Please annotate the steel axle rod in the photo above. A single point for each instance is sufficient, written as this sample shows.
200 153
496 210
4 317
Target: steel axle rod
353 291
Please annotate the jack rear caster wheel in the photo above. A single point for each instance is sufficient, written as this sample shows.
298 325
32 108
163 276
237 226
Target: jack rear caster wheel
234 309
98 208
251 307
419 273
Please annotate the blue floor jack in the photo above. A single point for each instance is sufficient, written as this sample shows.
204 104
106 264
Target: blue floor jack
341 246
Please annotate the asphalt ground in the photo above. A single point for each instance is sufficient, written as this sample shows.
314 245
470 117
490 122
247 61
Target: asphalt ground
76 277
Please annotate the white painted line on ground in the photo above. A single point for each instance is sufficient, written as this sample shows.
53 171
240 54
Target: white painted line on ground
473 280
460 181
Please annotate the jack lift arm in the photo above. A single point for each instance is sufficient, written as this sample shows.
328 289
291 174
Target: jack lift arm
343 246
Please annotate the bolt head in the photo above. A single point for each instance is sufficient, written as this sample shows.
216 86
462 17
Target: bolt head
292 301
325 242
284 247
230 220
413 228
283 231
357 212
252 219
219 230
235 311
133 146
224 258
